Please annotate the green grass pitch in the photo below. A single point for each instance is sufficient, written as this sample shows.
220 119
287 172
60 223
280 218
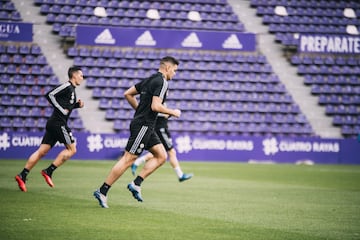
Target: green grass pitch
222 201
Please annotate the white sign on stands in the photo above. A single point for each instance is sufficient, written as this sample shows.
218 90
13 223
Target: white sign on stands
16 31
329 44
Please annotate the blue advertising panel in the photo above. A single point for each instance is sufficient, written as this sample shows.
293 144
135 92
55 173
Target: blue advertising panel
260 149
16 31
92 146
157 38
344 44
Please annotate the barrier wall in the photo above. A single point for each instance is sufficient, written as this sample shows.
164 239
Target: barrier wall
160 38
15 145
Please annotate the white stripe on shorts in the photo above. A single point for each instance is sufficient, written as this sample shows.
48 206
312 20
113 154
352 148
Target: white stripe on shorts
66 135
138 139
166 138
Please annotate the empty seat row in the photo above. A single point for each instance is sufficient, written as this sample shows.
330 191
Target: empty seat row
25 69
64 16
23 48
219 128
274 98
20 79
116 54
339 99
305 11
74 12
215 116
32 124
308 20
342 109
331 89
324 69
237 93
205 5
185 64
23 59
236 106
16 100
306 3
325 60
346 120
240 128
30 111
18 122
24 90
350 131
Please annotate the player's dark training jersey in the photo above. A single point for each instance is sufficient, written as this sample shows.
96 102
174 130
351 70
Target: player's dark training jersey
155 85
62 97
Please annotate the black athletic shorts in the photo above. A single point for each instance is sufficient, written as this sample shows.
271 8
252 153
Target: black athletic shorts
57 132
165 138
141 137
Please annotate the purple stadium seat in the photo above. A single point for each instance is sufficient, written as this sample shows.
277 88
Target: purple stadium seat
41 122
36 111
35 49
17 122
5 122
24 90
30 123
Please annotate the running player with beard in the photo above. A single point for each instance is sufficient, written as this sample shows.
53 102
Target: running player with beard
152 93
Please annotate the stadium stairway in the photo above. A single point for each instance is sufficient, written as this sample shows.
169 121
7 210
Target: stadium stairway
320 122
51 45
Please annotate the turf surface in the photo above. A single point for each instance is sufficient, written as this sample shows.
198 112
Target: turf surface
222 201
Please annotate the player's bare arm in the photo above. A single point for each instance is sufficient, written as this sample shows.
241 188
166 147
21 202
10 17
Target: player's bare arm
157 106
130 96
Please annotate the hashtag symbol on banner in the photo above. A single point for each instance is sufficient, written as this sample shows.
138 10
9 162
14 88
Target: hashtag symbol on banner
270 146
183 144
4 141
95 143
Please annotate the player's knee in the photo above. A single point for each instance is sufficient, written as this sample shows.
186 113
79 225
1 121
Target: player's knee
73 151
70 151
162 158
41 153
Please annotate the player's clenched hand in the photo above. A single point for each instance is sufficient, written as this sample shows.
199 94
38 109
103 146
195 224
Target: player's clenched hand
176 113
81 103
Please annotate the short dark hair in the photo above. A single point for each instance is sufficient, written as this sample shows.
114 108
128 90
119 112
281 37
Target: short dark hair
72 70
169 59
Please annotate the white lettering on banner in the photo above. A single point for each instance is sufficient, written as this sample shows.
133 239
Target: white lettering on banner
330 44
113 142
184 144
295 146
9 28
25 141
326 147
239 145
272 146
209 144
